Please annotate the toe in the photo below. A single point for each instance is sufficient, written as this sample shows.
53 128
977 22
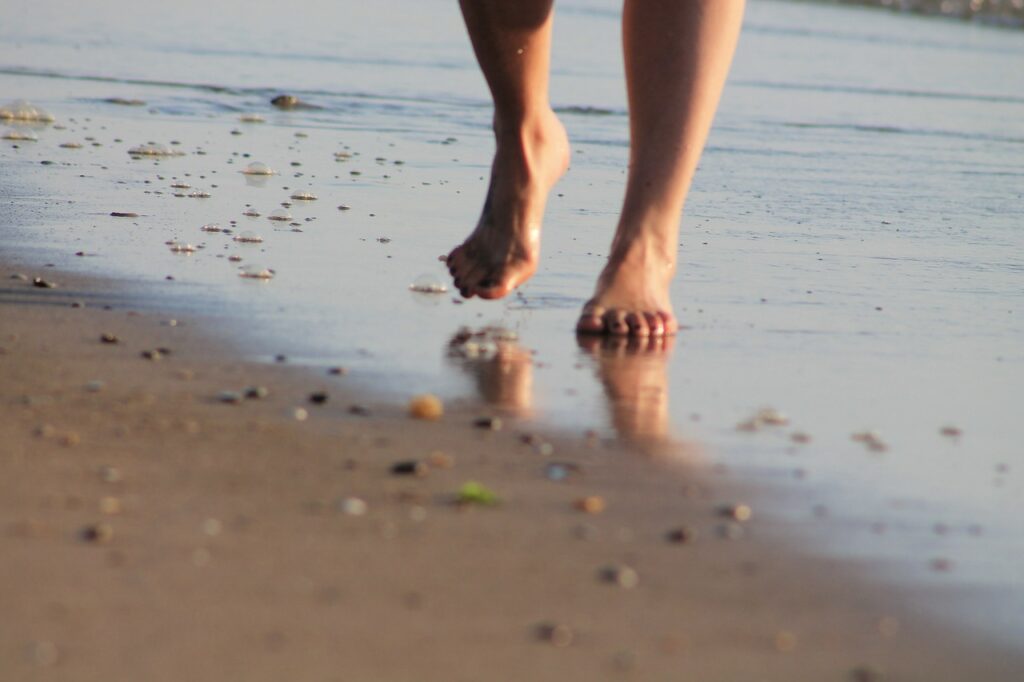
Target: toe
655 324
491 287
590 321
615 323
637 325
668 320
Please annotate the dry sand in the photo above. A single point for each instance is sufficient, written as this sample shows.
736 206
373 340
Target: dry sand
219 549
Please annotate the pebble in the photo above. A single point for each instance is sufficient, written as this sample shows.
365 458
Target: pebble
41 283
426 406
624 576
107 337
124 214
70 439
318 397
257 168
211 227
45 431
591 504
109 474
557 634
412 467
488 423
951 432
154 355
337 371
110 505
300 414
256 392
279 215
681 535
800 437
99 533
230 397
304 196
736 512
353 506
870 439
253 271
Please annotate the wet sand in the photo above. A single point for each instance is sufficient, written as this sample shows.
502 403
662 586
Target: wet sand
152 531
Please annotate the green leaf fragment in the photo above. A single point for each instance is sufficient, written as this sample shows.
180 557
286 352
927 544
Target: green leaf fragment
472 492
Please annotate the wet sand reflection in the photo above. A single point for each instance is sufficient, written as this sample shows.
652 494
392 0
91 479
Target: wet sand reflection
632 373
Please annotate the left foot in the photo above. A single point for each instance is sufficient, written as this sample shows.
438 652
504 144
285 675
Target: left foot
631 297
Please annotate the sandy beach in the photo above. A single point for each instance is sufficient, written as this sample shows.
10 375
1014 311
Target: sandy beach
153 531
213 472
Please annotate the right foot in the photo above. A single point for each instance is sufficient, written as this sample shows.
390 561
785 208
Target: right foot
503 250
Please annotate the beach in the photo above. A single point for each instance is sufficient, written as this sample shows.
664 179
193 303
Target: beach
818 479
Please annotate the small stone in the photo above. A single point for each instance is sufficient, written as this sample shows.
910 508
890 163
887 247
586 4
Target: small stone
70 439
107 337
557 634
353 506
124 214
110 505
94 386
256 392
426 406
488 423
45 431
412 467
951 432
99 533
300 414
109 474
230 397
800 437
736 512
591 504
624 576
153 355
681 535
359 410
318 397
772 417
337 371
871 439
41 283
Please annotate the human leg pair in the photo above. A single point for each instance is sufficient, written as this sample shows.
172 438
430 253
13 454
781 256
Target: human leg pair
677 56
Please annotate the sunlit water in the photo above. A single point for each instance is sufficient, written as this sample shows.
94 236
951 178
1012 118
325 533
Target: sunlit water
851 255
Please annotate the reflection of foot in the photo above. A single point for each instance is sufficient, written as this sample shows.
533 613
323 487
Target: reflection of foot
631 297
503 369
633 373
503 250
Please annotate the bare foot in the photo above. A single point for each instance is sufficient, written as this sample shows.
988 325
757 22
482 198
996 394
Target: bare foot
503 250
631 297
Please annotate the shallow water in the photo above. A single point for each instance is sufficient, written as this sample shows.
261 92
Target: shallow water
851 254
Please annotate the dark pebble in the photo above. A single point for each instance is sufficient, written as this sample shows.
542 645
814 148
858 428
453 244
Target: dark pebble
318 398
412 467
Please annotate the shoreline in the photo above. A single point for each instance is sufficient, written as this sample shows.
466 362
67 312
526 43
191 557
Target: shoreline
221 543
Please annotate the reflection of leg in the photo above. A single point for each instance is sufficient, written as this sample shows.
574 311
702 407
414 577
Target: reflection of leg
635 383
677 57
512 41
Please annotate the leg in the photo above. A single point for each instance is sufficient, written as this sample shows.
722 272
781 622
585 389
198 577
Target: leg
677 57
512 41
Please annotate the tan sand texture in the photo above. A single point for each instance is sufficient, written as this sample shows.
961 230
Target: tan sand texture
151 531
